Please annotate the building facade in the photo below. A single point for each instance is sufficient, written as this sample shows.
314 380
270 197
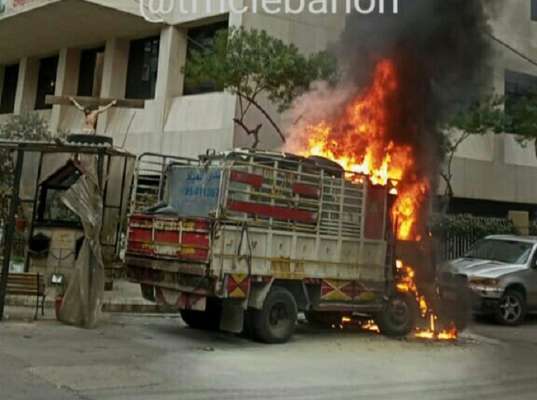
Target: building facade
494 173
117 49
107 49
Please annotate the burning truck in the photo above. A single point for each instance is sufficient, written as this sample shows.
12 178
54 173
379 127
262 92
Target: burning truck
337 229
244 241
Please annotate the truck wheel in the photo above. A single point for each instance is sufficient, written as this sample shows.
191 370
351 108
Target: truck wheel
208 319
399 316
276 321
323 319
511 310
195 319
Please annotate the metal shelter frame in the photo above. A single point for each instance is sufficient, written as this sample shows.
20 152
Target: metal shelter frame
103 152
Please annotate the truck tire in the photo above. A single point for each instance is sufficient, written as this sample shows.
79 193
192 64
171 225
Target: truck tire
399 316
195 319
276 321
206 320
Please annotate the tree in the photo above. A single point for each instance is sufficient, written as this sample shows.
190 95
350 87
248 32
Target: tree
523 119
28 126
480 118
250 63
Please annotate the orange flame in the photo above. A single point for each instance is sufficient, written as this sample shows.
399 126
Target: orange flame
406 284
361 143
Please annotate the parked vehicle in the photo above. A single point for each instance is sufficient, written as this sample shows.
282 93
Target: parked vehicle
501 272
243 241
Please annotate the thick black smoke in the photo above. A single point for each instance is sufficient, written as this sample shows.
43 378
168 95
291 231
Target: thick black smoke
441 51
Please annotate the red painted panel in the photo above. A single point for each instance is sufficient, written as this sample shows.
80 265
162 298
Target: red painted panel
306 190
268 211
249 179
165 240
375 210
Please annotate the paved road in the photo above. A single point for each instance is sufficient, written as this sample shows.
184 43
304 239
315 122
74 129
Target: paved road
155 357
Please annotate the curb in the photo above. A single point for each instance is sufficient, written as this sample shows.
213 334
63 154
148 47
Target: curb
111 307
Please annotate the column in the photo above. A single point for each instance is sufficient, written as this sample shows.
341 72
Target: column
170 78
66 83
2 73
26 85
116 61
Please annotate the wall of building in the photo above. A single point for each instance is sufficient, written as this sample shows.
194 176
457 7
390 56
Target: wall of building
497 167
489 167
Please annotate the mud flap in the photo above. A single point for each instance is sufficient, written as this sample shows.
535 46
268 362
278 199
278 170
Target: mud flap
232 319
258 294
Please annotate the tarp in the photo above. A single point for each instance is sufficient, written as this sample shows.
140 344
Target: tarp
82 302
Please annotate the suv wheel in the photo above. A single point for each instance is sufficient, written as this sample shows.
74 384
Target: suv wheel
276 321
511 310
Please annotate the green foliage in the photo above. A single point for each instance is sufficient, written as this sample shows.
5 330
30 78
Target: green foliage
499 114
28 126
469 225
523 118
482 117
248 63
479 118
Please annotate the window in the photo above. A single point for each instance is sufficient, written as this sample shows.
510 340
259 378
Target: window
9 88
201 38
505 251
534 10
46 81
518 87
142 69
91 72
2 6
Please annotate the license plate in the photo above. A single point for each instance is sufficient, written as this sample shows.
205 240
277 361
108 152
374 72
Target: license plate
166 250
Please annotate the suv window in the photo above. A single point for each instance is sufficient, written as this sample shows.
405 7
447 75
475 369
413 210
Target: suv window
507 251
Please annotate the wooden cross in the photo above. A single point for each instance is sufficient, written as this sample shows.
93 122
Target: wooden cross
92 107
93 101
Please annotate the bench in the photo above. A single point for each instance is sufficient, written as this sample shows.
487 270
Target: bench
28 284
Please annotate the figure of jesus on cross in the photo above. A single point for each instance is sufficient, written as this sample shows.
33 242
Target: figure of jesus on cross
91 115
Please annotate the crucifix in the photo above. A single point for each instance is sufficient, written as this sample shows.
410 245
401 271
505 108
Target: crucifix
91 114
92 107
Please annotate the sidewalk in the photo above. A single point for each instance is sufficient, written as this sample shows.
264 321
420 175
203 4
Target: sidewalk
125 297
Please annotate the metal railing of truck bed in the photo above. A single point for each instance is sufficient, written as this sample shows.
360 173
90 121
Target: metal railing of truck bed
150 178
338 206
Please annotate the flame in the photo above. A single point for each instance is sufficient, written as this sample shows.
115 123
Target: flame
371 326
360 141
406 284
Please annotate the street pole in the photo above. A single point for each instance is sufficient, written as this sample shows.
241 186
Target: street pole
9 229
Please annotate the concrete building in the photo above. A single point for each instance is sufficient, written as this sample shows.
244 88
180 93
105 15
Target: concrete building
494 173
107 49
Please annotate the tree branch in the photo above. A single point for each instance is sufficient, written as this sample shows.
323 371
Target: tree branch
267 116
254 132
